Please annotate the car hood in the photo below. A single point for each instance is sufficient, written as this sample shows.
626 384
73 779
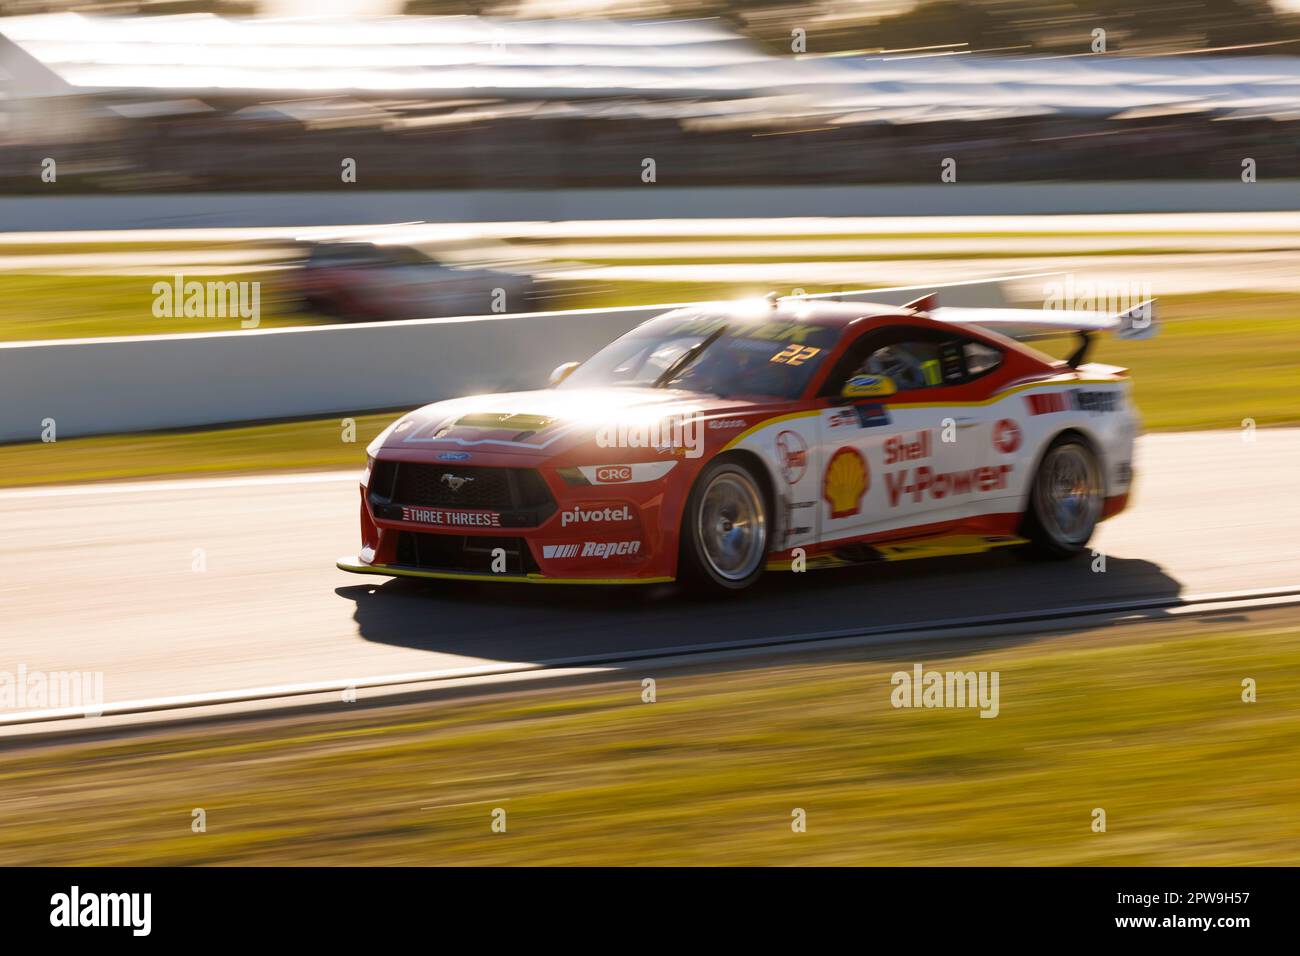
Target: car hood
547 422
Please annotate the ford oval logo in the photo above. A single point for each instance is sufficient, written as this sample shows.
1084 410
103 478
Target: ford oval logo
454 456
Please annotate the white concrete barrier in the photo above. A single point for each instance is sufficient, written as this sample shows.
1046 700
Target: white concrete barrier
144 383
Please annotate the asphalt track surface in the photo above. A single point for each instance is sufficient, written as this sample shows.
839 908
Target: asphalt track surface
102 578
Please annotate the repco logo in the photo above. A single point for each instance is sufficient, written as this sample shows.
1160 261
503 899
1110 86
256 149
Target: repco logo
595 515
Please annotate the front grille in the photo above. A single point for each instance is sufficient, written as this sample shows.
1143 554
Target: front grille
494 488
458 552
432 485
519 494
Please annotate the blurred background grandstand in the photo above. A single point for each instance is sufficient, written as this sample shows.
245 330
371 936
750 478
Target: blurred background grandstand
144 97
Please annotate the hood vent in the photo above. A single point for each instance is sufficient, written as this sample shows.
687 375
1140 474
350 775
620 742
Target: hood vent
522 425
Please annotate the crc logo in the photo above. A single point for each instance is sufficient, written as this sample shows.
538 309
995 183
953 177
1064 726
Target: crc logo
1006 436
793 452
454 482
613 474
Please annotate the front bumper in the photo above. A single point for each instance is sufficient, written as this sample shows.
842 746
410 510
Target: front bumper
506 521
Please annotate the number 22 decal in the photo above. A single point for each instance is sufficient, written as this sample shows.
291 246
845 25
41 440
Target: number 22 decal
794 355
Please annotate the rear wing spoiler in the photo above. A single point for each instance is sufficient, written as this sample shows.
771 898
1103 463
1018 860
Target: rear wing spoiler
1138 322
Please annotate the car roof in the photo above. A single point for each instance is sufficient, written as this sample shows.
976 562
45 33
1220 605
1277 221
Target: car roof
828 312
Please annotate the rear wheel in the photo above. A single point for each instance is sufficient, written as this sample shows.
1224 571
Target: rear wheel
725 529
1066 500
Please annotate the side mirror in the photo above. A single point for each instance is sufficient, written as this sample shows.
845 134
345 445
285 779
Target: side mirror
868 386
562 372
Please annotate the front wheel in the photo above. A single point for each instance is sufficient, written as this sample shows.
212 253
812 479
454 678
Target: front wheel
1066 500
725 529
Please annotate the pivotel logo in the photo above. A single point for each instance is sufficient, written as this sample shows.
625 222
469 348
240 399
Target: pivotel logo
590 549
581 515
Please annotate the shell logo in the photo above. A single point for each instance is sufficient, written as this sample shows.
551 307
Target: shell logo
847 480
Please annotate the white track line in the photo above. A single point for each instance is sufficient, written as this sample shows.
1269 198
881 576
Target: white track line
950 627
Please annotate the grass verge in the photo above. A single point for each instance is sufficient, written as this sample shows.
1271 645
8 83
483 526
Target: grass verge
35 307
1146 723
1217 359
299 445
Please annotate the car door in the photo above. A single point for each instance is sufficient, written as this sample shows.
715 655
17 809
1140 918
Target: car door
909 456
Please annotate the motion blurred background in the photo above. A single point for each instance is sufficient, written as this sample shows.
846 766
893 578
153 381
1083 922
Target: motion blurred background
509 146
547 93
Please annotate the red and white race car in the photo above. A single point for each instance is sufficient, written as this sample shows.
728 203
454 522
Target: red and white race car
721 440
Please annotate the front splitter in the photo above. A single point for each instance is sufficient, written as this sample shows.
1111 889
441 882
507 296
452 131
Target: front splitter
357 566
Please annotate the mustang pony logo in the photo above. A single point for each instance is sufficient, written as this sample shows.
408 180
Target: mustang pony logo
454 482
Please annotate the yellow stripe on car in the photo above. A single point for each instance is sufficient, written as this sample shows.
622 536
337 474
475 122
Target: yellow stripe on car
808 413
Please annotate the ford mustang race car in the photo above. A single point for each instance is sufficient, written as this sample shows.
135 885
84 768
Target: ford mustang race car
721 440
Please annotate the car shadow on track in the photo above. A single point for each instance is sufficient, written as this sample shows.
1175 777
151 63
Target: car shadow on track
527 623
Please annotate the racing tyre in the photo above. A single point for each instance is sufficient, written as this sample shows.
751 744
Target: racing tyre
1066 499
724 529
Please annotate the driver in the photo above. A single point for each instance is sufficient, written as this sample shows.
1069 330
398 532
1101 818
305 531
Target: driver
899 364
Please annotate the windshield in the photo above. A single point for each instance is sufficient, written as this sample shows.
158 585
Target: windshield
732 356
